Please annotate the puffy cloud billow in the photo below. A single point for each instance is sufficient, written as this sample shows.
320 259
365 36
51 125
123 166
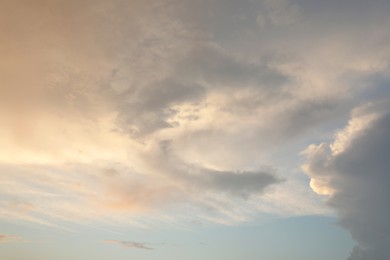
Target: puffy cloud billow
354 172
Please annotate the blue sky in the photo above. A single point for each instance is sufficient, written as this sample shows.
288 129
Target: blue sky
291 238
210 129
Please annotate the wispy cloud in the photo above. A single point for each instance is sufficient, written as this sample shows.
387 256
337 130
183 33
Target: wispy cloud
130 244
8 238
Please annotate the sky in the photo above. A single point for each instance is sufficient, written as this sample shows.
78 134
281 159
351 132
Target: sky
208 129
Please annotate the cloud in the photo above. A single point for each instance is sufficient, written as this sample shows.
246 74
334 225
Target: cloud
130 244
354 171
159 183
98 102
158 106
8 238
278 13
203 70
235 183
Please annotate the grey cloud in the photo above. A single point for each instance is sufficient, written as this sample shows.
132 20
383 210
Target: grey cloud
204 69
301 117
346 6
359 178
130 244
235 183
218 67
147 110
241 184
278 13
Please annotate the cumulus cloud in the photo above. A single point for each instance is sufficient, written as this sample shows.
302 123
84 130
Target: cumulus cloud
130 244
354 171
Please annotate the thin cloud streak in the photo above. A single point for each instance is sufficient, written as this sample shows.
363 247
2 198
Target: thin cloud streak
129 244
4 238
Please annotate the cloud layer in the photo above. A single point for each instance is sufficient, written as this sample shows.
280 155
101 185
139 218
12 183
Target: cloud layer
120 109
127 108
